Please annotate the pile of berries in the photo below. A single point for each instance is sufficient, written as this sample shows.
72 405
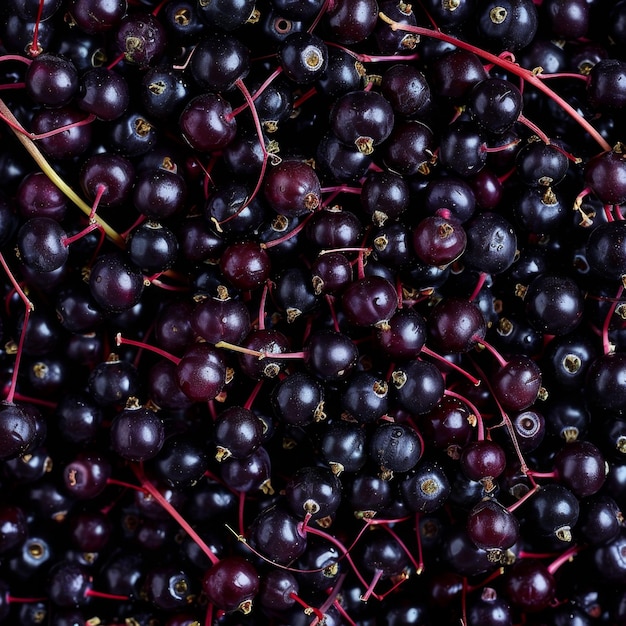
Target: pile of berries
312 312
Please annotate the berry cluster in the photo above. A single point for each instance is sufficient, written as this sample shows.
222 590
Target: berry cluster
312 313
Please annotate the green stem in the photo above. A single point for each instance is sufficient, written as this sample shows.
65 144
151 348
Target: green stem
49 171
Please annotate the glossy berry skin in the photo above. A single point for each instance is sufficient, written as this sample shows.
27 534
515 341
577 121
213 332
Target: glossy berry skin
303 57
292 188
491 526
517 383
599 519
159 193
207 124
456 325
370 301
275 533
97 17
343 447
68 584
382 554
37 196
115 283
268 342
541 165
426 488
609 560
483 459
276 588
51 80
508 25
167 587
103 92
40 242
606 249
462 554
226 14
313 491
391 42
231 583
330 355
409 148
77 311
114 172
141 38
404 336
529 585
553 512
580 466
330 273
439 240
219 61
351 22
17 430
603 88
68 144
113 381
406 89
606 175
491 243
605 380
298 399
245 265
86 476
248 474
238 433
363 119
137 434
365 399
395 447
462 148
201 372
495 104
418 386
490 609
554 304
153 248
13 529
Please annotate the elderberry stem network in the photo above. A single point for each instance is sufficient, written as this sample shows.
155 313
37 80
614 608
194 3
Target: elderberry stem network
324 286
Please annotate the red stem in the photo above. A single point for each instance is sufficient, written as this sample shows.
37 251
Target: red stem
320 533
482 277
15 57
568 555
306 605
34 48
242 505
290 234
167 506
606 344
513 68
13 600
264 85
253 394
496 355
428 352
370 588
20 347
480 426
68 240
262 305
109 596
122 341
